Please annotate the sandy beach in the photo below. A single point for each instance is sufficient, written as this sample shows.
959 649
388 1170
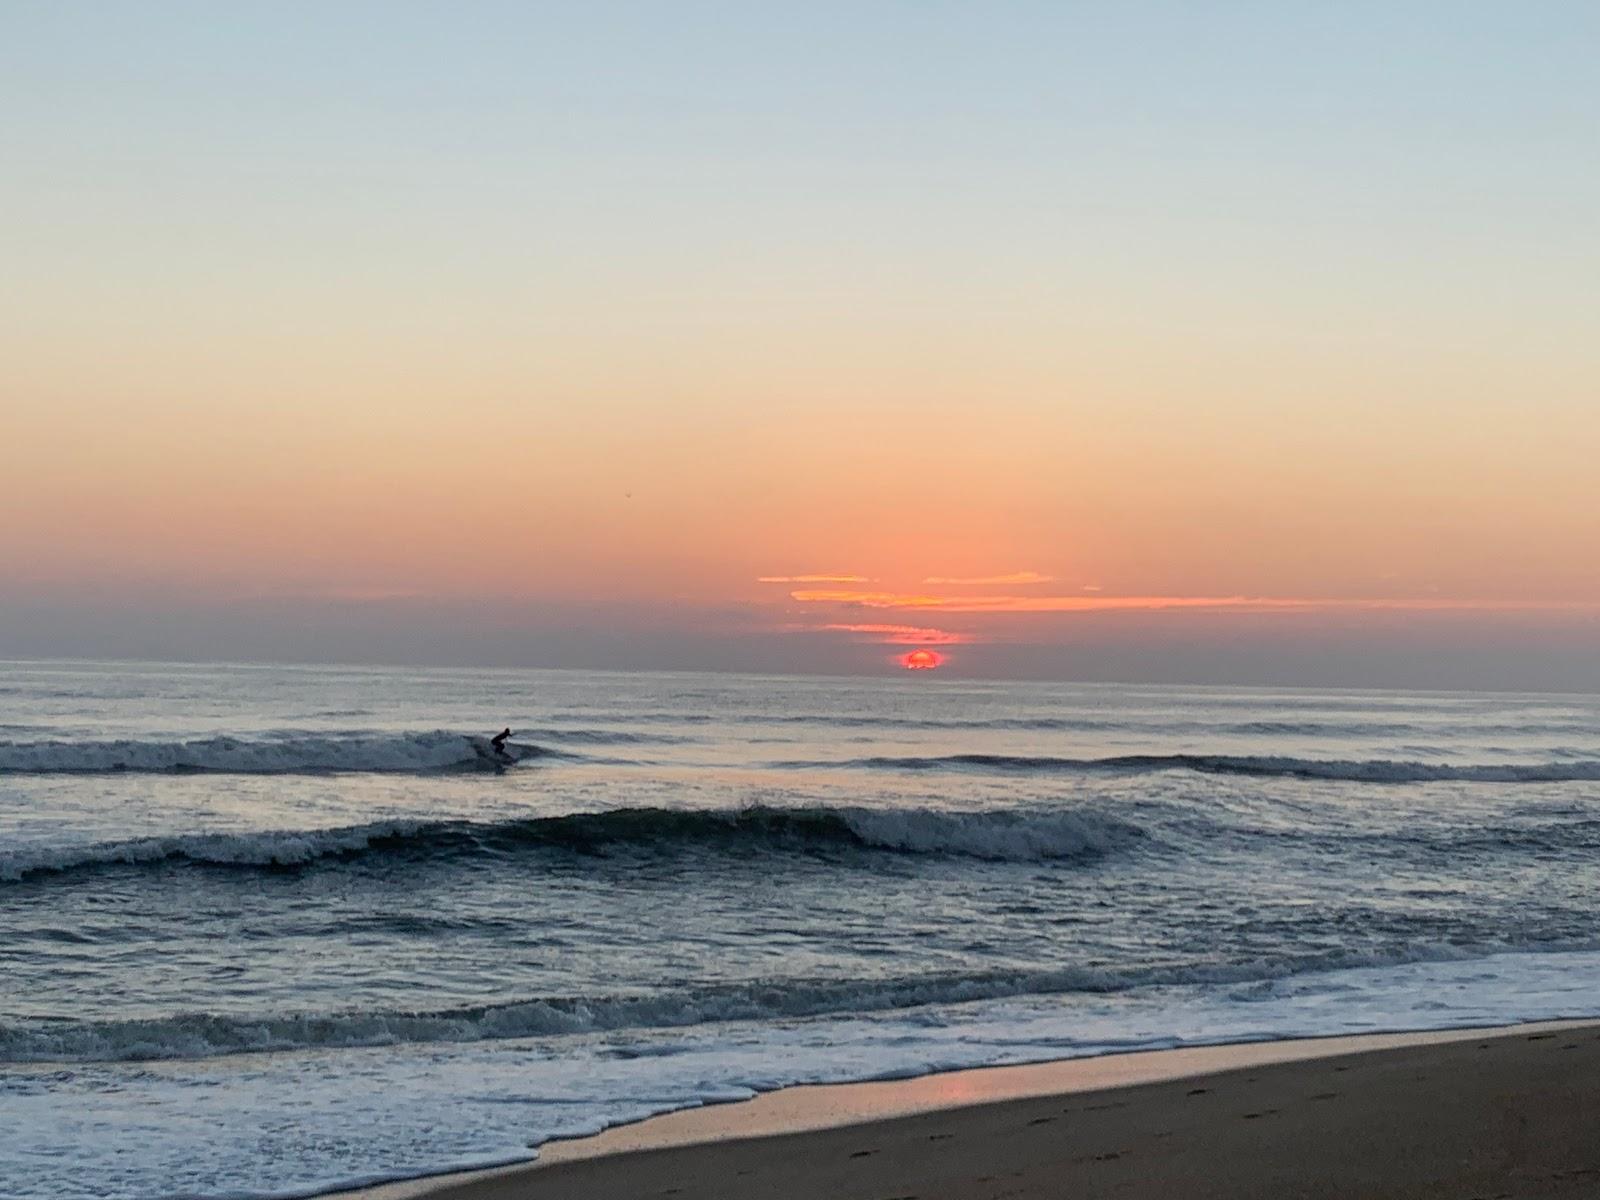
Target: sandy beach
1486 1114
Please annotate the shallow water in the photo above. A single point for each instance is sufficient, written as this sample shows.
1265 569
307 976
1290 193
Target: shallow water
267 930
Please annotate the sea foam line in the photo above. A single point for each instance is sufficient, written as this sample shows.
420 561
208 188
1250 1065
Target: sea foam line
282 754
208 1035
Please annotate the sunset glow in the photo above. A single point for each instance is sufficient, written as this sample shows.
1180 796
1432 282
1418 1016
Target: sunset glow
649 553
606 385
903 635
1103 603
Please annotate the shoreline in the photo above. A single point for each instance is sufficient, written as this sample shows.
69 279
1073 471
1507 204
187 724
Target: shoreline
822 1113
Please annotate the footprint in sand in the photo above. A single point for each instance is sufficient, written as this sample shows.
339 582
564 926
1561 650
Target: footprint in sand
1108 1156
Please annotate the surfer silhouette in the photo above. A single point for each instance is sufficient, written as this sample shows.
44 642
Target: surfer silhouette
498 741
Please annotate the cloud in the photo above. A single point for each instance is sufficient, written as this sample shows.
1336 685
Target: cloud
812 579
906 635
1015 578
1099 603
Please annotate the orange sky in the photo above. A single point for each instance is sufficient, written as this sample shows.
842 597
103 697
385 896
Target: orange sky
1142 502
1254 338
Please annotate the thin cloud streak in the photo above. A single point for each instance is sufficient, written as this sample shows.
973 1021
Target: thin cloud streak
1016 578
906 635
813 579
1073 604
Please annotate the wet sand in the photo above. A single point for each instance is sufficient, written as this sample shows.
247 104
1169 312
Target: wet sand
1466 1114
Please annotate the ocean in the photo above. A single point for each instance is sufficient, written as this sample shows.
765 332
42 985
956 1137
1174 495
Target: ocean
270 931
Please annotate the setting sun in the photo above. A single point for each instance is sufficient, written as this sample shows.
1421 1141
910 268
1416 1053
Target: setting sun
460 454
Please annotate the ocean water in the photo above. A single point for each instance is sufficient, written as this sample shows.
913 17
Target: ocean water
269 931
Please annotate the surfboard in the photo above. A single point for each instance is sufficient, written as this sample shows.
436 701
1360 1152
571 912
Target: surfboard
484 749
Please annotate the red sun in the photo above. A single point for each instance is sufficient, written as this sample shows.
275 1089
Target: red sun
921 660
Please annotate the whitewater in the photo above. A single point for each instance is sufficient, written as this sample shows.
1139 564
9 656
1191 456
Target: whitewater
269 932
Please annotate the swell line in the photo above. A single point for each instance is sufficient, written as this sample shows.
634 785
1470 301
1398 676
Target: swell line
1353 770
1001 836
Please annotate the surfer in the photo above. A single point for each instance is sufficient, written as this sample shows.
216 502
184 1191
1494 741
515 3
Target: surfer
498 741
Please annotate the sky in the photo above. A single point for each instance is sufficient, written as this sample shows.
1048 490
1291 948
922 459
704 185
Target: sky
1232 343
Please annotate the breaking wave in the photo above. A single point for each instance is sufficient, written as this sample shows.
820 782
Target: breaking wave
1358 771
998 836
207 1035
284 754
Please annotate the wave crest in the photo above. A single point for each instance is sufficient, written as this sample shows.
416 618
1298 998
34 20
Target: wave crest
1355 771
287 754
1000 836
206 1035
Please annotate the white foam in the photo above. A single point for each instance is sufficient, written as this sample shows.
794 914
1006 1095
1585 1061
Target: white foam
268 848
285 754
1014 836
304 1122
